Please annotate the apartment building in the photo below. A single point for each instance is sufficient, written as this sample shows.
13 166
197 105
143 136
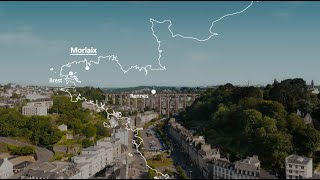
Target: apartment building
298 167
34 110
248 168
94 158
39 103
112 142
122 134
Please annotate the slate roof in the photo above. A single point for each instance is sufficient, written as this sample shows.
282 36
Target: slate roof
295 159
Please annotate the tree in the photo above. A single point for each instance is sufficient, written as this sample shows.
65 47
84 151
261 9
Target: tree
151 173
288 92
304 106
15 96
306 141
294 122
87 143
181 173
249 120
269 124
102 131
90 131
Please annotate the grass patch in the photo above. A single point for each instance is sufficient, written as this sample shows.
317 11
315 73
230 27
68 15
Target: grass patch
21 139
67 142
59 156
160 161
150 123
3 147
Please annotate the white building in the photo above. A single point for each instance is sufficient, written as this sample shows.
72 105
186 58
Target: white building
63 127
123 135
6 168
111 142
48 104
93 159
34 110
298 167
248 168
113 122
315 91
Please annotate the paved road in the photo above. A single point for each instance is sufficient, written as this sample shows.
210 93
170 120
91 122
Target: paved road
43 155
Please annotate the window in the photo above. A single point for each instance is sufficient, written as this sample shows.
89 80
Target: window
296 166
296 172
302 167
290 166
290 171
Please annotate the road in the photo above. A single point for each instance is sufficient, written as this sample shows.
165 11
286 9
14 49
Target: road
43 155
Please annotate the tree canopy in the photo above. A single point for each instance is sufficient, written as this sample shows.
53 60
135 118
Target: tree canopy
243 121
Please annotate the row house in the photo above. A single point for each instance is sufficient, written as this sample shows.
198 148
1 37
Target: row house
208 160
200 153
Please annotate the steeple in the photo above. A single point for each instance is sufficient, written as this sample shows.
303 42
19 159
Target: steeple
312 84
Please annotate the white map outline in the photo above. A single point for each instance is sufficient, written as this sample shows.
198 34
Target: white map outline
72 78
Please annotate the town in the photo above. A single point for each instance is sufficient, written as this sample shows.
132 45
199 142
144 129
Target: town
83 148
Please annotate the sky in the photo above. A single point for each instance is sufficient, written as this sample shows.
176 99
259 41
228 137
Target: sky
270 40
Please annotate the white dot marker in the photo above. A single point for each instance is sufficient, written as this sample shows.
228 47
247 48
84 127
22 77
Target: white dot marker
153 91
87 68
70 73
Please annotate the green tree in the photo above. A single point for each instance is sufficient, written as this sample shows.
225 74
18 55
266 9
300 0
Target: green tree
294 122
87 143
151 173
288 92
304 106
102 131
90 130
306 141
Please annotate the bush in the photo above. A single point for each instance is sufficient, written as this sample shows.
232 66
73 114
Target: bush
87 143
181 173
21 151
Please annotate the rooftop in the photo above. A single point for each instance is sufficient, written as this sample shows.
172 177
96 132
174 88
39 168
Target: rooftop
87 156
41 174
295 159
109 139
45 167
92 148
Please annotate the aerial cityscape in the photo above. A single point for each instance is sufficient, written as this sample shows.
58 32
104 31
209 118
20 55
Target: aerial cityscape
159 90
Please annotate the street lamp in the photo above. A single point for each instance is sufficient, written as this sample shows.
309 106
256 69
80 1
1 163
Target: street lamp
190 174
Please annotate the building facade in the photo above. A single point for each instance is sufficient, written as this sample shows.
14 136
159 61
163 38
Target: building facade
298 167
111 142
34 110
208 159
6 168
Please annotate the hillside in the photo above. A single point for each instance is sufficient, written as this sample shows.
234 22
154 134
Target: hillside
242 121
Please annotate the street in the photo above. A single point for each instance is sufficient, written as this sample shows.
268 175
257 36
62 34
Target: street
43 155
